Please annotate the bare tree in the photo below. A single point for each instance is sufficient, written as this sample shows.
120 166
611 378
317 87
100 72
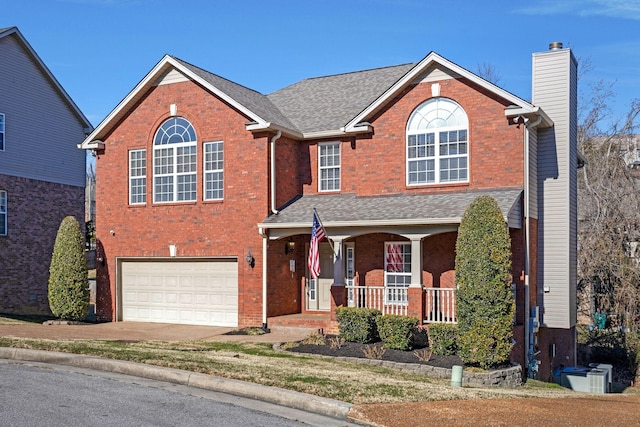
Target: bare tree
489 72
609 213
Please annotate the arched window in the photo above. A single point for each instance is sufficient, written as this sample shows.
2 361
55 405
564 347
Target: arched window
174 161
437 143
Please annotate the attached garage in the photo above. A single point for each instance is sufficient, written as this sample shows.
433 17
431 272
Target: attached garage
191 292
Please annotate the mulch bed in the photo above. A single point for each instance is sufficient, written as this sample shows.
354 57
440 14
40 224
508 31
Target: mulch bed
352 349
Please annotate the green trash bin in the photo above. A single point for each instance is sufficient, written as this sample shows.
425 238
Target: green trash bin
601 320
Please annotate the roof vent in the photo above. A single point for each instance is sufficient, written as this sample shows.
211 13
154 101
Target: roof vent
555 46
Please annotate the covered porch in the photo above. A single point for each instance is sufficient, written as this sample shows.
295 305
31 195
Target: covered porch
392 253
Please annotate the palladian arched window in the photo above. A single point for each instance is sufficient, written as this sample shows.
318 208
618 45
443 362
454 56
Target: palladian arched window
437 143
174 161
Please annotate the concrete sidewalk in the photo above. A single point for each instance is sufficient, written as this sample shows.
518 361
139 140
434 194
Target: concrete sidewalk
138 331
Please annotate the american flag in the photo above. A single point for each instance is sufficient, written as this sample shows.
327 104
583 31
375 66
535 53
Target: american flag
317 234
394 258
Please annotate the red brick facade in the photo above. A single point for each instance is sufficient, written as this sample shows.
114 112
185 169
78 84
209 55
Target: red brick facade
371 164
35 210
202 228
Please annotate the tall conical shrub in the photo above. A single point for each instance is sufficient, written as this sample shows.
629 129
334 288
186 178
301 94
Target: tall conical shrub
68 281
484 299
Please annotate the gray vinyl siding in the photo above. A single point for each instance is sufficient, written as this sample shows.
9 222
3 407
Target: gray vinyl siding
42 130
533 174
554 90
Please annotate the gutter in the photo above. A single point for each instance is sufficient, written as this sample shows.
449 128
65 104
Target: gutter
273 170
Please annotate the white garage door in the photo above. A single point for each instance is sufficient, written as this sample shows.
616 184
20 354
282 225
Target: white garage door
184 292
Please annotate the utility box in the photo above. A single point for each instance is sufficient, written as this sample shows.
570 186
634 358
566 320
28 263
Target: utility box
609 369
586 380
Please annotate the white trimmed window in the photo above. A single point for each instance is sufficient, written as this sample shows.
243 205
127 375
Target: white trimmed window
2 132
437 143
137 177
174 162
213 170
329 166
3 213
397 272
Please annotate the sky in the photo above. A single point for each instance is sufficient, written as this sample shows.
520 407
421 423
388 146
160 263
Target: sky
100 49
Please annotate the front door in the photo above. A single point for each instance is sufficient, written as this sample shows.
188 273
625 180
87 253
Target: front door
319 290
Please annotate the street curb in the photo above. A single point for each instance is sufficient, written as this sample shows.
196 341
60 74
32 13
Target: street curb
292 399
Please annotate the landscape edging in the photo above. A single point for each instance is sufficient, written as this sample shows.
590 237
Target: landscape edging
506 378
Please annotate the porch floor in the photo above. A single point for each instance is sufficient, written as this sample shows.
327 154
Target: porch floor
315 322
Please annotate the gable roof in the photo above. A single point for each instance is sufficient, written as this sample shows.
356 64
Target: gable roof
328 106
13 31
324 104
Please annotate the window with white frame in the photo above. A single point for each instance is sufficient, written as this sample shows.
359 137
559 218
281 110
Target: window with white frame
3 213
213 170
437 143
329 166
2 132
397 272
137 177
174 161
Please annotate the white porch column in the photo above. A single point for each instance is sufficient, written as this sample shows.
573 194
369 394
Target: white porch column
338 256
416 261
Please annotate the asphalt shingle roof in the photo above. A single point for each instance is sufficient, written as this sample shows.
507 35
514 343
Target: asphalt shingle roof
330 102
251 99
419 207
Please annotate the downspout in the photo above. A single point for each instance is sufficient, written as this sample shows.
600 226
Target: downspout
527 255
273 171
264 277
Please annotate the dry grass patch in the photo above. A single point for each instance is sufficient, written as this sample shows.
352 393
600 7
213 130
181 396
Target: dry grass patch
260 363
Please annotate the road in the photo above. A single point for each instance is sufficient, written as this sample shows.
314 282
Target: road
36 394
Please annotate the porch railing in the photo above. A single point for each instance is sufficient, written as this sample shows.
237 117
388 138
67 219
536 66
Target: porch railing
440 305
389 300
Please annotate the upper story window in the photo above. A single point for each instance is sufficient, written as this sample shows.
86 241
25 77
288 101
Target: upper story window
174 161
137 177
1 132
213 170
329 166
437 143
3 213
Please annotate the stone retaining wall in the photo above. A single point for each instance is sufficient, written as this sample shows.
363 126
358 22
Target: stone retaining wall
507 378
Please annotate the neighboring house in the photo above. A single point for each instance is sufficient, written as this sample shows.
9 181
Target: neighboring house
42 172
207 189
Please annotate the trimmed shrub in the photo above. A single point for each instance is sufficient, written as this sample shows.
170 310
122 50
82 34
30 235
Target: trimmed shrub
484 300
443 339
68 280
358 324
397 332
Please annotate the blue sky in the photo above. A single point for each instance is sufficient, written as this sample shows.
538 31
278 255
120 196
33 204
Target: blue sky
100 49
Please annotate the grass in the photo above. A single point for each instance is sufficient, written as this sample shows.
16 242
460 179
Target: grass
9 319
261 363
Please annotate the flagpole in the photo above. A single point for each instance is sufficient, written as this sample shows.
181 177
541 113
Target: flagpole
325 230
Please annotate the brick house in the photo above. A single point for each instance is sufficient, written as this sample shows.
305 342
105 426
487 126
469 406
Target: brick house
42 172
206 191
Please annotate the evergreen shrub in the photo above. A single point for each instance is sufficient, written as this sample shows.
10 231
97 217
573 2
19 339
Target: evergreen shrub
397 332
358 324
484 299
68 281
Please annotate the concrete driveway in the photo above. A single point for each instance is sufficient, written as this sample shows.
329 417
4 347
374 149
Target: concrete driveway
138 331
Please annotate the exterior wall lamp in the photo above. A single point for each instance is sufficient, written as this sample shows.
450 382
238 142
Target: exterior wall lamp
289 247
250 260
